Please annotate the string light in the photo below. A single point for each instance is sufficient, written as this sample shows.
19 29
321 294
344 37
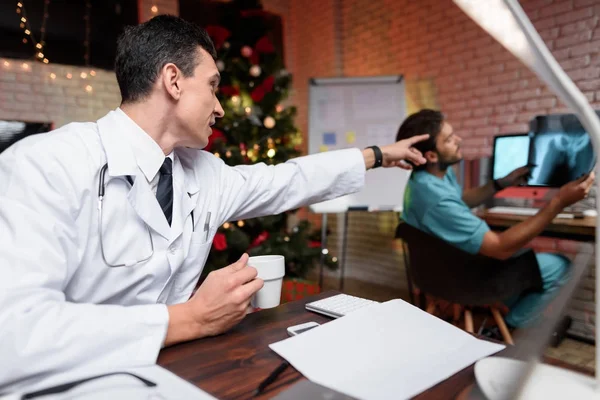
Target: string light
93 73
325 251
271 153
217 155
226 225
6 64
248 110
52 75
69 75
228 154
83 75
256 147
25 25
240 223
235 100
25 66
89 88
287 238
154 9
334 259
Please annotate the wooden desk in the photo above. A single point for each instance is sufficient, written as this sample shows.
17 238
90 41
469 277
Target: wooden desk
582 229
232 365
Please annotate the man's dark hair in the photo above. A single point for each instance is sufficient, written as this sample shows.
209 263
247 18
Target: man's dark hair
143 50
419 123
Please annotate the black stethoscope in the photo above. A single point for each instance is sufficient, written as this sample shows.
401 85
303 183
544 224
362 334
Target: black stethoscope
101 192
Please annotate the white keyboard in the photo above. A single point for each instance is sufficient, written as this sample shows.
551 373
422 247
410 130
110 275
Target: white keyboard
339 305
522 211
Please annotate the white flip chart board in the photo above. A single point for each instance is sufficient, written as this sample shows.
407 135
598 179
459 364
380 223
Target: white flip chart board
359 112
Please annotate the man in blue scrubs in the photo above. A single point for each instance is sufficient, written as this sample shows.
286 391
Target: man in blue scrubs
436 204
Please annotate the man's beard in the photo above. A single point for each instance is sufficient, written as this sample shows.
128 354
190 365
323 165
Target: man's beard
443 164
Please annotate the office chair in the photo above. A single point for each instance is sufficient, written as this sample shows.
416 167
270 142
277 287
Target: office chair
446 272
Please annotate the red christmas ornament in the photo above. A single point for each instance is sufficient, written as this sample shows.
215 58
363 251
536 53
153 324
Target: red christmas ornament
216 135
220 242
259 239
247 51
313 244
218 34
261 90
264 46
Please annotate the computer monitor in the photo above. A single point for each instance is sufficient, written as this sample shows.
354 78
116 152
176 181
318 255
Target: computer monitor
510 152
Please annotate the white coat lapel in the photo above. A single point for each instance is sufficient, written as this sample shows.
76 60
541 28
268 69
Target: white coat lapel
185 186
144 202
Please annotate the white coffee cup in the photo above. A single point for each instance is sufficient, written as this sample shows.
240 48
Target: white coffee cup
271 269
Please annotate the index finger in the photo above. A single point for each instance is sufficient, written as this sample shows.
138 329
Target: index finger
417 139
238 265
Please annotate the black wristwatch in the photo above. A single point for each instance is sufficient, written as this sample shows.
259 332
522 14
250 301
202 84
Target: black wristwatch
378 156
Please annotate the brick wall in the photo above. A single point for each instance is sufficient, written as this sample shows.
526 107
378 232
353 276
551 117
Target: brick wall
31 91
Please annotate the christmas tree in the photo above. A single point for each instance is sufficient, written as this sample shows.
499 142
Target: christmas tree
258 128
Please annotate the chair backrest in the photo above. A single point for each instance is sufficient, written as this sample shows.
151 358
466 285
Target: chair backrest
445 271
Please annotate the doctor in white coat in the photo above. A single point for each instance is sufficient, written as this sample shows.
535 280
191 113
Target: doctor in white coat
82 288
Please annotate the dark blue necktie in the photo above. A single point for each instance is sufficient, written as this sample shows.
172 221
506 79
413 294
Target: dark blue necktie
164 191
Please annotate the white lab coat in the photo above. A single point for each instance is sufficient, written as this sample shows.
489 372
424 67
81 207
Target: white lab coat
61 307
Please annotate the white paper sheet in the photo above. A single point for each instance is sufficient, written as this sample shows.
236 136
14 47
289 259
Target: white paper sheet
381 134
391 350
169 386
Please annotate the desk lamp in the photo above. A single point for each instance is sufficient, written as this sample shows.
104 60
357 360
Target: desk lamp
506 22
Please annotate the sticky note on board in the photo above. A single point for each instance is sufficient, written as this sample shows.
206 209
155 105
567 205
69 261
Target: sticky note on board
350 137
323 148
329 139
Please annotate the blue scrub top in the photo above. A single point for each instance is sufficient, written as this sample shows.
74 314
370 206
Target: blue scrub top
435 206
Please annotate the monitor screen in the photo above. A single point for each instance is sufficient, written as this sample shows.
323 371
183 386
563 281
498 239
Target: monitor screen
560 157
510 152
